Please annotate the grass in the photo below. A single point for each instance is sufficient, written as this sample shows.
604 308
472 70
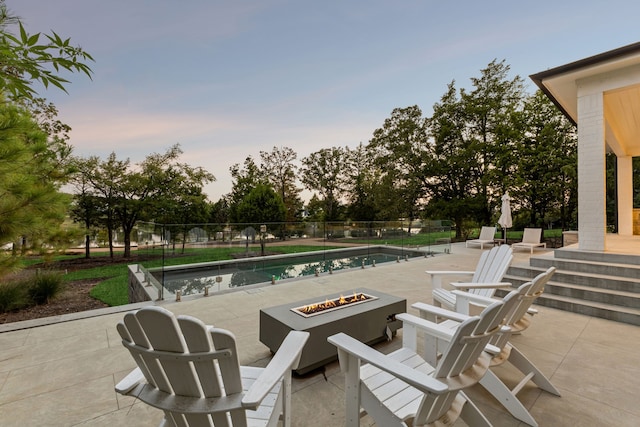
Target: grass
420 239
426 239
113 290
45 286
13 296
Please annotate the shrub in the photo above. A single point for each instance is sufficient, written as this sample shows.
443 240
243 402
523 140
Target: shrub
44 286
13 296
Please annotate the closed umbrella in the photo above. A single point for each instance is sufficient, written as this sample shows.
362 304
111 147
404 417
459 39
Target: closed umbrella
505 215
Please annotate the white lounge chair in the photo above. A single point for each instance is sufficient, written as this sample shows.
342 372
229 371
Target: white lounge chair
530 239
401 389
517 321
487 236
491 268
191 371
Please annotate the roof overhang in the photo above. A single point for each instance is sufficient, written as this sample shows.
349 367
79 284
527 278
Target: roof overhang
621 103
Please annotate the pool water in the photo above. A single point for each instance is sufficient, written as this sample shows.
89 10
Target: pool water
235 274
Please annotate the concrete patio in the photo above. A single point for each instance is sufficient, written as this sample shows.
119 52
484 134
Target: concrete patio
63 374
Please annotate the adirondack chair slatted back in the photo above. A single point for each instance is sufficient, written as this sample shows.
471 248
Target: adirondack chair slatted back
518 320
482 266
493 269
464 356
174 354
469 341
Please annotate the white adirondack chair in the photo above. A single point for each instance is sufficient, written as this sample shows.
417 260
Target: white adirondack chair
516 321
530 239
191 371
486 237
491 268
401 389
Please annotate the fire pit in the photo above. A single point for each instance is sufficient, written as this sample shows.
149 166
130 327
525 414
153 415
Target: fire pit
317 308
369 317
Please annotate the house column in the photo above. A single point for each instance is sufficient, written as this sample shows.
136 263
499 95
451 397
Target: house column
625 195
591 168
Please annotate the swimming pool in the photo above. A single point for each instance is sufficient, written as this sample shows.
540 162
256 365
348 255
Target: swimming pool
232 274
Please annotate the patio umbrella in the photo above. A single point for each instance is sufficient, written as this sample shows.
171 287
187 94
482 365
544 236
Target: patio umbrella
505 215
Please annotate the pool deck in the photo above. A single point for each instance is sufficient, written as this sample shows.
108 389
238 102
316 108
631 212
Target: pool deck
61 372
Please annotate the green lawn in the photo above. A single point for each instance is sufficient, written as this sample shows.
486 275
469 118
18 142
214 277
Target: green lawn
426 239
420 239
113 289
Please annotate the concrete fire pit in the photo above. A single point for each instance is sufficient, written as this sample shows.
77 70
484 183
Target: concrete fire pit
369 321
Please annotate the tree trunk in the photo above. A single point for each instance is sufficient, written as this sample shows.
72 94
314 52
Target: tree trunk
87 249
127 244
110 238
459 232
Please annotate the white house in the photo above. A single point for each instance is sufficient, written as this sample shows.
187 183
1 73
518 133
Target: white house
601 94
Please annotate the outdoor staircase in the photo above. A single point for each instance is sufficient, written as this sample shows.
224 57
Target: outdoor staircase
605 285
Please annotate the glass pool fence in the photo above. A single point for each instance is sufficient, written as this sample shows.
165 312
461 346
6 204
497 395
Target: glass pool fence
190 259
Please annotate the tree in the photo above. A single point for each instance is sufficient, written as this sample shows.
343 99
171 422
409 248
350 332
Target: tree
156 189
403 153
491 128
360 184
103 181
278 168
315 209
451 184
475 137
218 215
546 159
185 206
25 59
86 209
323 171
261 205
33 161
31 207
159 183
245 179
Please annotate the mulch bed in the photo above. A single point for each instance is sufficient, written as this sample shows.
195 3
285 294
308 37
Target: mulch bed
73 299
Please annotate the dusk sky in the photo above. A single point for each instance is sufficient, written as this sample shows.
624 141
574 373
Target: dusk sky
227 79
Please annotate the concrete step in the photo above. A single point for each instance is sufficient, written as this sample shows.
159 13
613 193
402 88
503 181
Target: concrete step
591 287
588 293
520 274
606 257
628 271
591 308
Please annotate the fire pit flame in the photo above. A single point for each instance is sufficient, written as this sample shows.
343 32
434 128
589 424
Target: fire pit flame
332 304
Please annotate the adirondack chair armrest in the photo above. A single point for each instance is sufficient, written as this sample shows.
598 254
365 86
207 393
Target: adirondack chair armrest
284 360
132 379
473 298
433 329
364 353
427 309
449 273
492 349
437 275
462 285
